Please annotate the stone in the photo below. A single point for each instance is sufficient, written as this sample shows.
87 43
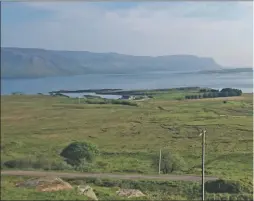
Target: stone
130 193
87 191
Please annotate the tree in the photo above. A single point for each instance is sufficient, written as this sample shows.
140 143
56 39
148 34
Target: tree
205 95
239 92
214 90
77 152
230 92
210 95
215 94
169 162
223 94
203 90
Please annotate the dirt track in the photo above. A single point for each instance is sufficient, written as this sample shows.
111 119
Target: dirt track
106 175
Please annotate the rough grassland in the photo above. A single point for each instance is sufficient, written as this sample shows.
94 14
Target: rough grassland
41 126
104 189
10 192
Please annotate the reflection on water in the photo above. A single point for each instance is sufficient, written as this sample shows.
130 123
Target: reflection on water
139 81
81 95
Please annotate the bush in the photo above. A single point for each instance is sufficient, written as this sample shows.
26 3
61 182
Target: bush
95 101
78 153
37 163
98 182
18 163
225 186
62 165
169 162
84 166
123 102
109 101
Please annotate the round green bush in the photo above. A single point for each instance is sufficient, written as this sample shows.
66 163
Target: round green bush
77 152
169 162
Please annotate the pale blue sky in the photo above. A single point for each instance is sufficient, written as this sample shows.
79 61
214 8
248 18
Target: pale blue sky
222 30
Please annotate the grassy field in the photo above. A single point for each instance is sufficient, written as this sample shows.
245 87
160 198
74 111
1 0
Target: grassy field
128 137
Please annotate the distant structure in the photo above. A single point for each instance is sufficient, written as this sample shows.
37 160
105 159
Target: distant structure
126 97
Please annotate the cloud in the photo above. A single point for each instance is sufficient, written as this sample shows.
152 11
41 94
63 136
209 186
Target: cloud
219 30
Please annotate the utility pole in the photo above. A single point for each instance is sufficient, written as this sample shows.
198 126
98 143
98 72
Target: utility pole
203 163
160 162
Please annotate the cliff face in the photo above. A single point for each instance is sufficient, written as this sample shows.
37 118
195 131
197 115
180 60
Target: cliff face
31 63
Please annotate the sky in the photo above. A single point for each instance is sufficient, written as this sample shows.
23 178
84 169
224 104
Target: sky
221 30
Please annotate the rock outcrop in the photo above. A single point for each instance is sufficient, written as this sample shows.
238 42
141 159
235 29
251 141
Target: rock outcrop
87 191
130 193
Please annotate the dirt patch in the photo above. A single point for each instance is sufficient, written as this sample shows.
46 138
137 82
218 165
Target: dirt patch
130 193
45 184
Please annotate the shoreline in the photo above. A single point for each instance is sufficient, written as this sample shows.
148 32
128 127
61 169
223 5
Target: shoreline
123 91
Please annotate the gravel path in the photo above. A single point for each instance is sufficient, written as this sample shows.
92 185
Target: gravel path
106 175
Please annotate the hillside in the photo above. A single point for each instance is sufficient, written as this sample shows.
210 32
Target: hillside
32 63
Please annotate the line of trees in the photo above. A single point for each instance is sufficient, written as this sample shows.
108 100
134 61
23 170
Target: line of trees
225 92
208 90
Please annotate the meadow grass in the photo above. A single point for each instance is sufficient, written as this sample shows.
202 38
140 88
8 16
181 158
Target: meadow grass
128 137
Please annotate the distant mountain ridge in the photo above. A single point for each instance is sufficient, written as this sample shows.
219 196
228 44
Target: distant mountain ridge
35 63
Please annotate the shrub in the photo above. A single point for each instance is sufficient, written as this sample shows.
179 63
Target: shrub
109 101
123 102
98 182
78 153
179 98
169 162
37 163
225 186
62 165
18 163
111 183
84 166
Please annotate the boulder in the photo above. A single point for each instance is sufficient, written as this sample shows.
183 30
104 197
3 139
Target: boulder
45 184
87 191
130 193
